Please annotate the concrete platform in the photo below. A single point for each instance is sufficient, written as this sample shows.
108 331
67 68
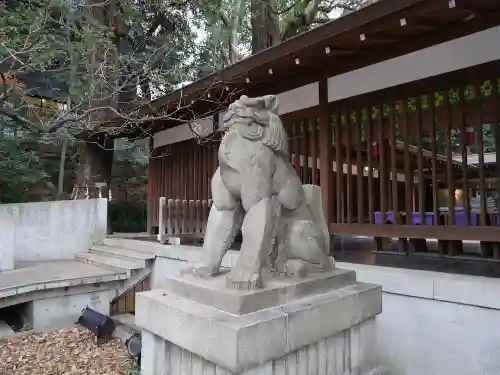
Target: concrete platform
56 274
278 290
125 326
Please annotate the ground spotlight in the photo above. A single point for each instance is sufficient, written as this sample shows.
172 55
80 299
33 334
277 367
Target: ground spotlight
133 347
100 325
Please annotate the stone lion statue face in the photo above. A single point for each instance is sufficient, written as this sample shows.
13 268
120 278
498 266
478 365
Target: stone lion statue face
257 119
247 110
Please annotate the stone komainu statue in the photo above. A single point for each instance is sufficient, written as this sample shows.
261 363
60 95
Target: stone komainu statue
256 189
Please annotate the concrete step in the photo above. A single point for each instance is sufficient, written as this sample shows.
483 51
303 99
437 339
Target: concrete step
130 244
125 327
127 254
109 261
53 275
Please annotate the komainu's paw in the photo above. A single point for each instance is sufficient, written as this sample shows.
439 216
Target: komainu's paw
296 268
244 279
301 268
201 271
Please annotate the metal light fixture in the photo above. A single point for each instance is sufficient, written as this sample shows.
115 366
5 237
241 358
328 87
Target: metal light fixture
100 325
133 347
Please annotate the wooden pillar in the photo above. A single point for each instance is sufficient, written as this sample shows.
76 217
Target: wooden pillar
150 189
325 152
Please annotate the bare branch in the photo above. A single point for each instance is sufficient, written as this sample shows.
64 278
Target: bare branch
19 119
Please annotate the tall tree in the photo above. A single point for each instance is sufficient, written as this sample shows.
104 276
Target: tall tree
85 63
243 27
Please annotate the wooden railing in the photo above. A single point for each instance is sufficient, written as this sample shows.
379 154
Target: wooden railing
180 171
178 218
410 163
413 163
408 171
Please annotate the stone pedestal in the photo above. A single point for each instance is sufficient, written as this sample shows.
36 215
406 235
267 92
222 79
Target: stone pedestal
321 324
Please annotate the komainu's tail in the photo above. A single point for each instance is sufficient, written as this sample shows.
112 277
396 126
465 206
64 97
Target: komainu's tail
315 202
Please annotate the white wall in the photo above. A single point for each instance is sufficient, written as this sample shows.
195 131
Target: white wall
435 323
172 259
432 323
418 336
437 286
7 236
302 97
50 230
64 310
202 127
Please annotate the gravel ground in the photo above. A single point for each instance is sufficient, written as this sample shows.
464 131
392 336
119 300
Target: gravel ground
63 352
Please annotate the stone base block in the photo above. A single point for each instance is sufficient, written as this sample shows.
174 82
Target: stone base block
345 353
186 333
277 290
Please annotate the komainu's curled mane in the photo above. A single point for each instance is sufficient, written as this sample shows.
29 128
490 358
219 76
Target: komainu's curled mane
258 119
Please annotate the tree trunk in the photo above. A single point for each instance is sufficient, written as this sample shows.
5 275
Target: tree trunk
300 19
96 156
94 165
62 166
265 25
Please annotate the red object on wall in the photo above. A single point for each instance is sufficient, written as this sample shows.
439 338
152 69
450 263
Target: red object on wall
469 136
375 149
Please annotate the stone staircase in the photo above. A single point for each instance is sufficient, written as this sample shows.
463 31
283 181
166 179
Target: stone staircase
130 257
53 293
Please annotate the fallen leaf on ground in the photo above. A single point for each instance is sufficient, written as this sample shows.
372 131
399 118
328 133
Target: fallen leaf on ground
68 351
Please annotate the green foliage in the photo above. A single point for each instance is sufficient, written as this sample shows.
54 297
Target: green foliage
127 217
488 138
289 17
129 213
20 169
132 368
90 64
93 60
